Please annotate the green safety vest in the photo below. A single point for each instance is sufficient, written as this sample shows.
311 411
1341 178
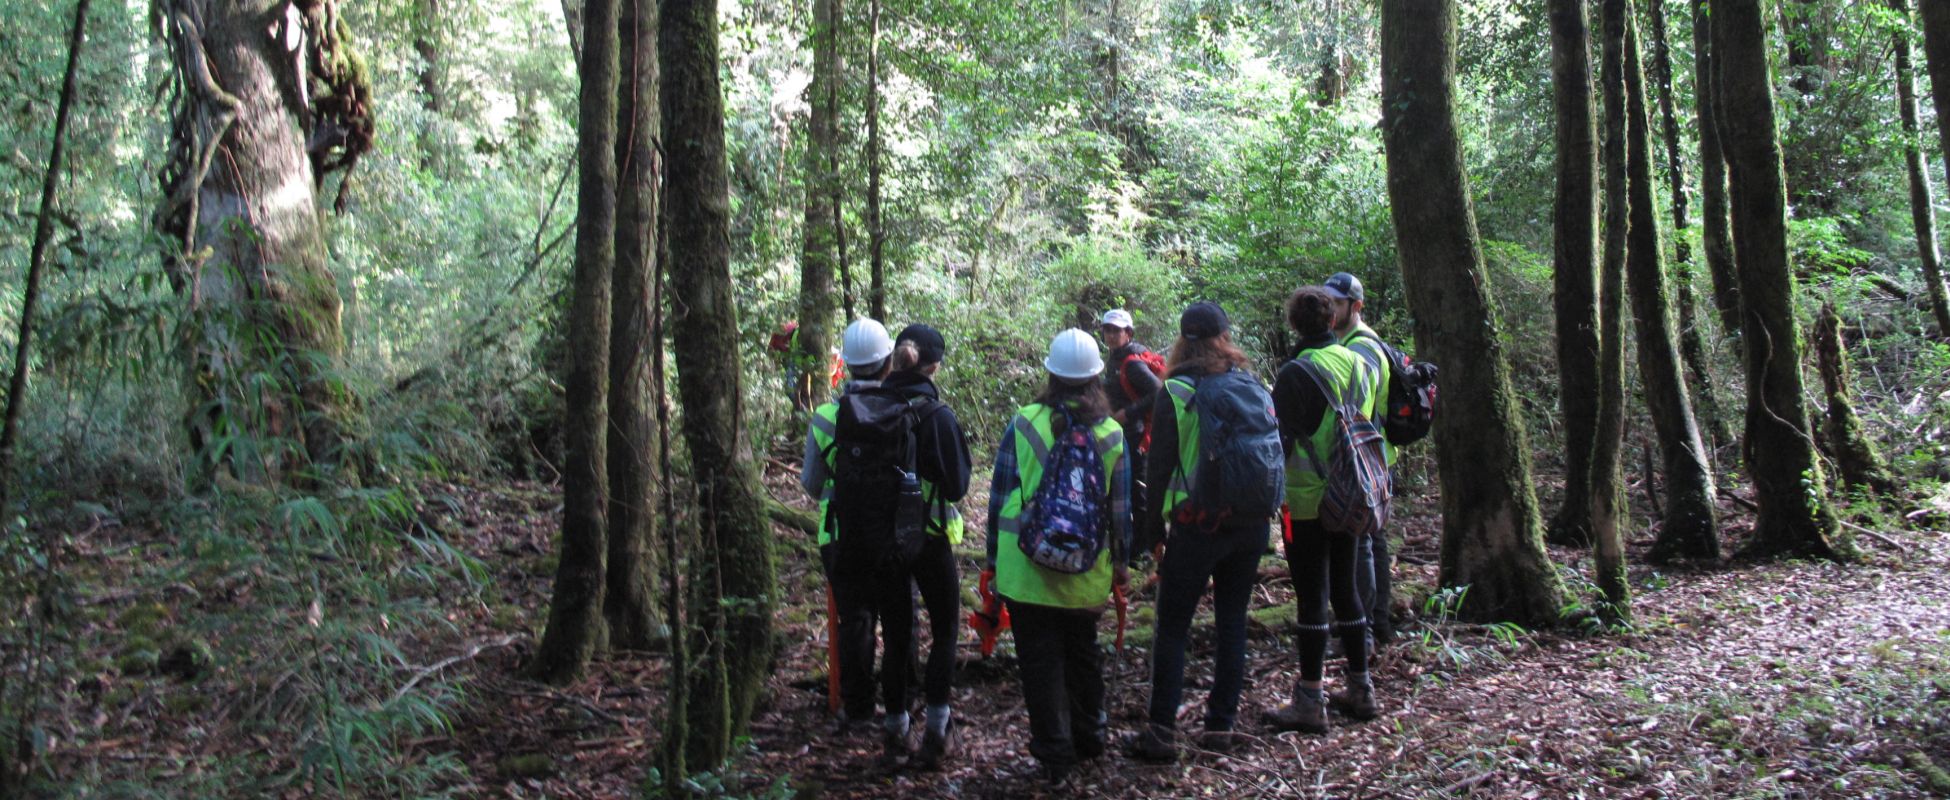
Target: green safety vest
943 518
1377 358
1344 372
1018 578
1180 487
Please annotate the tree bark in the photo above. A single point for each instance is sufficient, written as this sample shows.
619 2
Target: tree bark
818 261
629 597
734 577
30 292
1936 52
1575 262
1608 510
1922 214
572 17
427 30
1716 234
1807 162
1855 456
876 234
1492 532
575 621
1688 528
1794 515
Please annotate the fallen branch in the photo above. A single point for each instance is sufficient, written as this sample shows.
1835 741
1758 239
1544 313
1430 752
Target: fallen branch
1748 504
472 652
1877 535
788 516
1466 784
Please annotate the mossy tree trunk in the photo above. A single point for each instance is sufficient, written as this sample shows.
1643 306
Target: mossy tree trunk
1855 456
1492 531
1922 214
629 596
1608 513
1716 233
876 234
1936 54
575 620
732 573
1575 262
819 258
1688 528
1779 451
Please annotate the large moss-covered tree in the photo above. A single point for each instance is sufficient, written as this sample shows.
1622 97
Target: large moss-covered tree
575 618
1608 513
820 256
1574 246
1493 538
1856 458
1922 213
1779 451
267 99
1716 232
1688 528
732 570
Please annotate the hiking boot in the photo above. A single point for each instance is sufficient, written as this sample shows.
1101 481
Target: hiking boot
1305 714
1155 744
1225 741
1056 775
1356 701
934 748
894 748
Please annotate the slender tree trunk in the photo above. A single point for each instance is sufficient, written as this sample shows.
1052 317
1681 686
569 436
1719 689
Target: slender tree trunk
1575 262
734 577
575 619
572 17
1922 213
1492 532
1608 510
1855 456
1936 53
629 597
1807 162
1716 233
677 683
819 260
1689 528
876 234
427 43
30 293
1793 497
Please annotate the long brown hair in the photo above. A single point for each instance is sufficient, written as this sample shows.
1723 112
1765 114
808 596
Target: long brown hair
1206 355
1086 400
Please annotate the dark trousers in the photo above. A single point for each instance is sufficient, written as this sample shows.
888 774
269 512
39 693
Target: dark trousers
1062 680
1374 580
1323 568
1229 559
934 572
855 600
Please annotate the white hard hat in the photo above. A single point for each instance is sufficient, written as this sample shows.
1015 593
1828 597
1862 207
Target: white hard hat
1073 354
1118 317
865 343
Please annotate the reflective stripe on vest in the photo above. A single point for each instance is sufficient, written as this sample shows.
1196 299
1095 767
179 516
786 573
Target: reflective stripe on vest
1359 340
1344 372
825 425
1016 577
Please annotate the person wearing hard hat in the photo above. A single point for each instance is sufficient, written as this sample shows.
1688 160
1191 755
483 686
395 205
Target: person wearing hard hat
868 352
1059 534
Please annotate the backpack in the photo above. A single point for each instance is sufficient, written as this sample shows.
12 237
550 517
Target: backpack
1240 472
1357 496
1151 361
877 503
1066 523
1410 409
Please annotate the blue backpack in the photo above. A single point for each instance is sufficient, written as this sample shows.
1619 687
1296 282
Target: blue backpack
1066 524
1240 472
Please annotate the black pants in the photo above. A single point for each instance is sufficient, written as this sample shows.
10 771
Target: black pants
1374 579
1062 680
935 573
1322 565
854 599
1229 559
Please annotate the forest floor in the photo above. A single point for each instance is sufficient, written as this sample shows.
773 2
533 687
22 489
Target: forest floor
1762 679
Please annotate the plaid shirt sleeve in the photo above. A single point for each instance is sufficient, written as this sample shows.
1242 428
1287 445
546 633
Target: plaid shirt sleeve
1001 483
1120 508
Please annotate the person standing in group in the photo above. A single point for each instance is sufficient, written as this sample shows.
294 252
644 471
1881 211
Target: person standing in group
1058 537
1324 376
1216 455
942 465
1373 568
1132 377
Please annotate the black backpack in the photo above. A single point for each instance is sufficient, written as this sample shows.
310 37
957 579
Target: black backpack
1411 397
1241 471
877 503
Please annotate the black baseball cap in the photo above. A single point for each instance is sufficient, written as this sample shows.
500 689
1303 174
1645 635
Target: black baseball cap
927 341
1345 287
1202 320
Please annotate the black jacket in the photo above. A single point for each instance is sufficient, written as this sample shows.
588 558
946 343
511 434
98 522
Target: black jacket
1297 400
942 453
1136 407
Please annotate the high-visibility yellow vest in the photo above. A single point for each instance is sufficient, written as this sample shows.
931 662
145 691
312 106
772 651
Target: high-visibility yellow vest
1370 351
1018 578
944 519
1345 373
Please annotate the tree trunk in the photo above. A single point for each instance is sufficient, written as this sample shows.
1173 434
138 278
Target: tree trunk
241 199
818 261
876 235
1609 517
1793 497
1936 52
676 538
629 597
1688 527
572 17
1922 213
1855 456
1575 262
31 291
427 30
734 576
575 619
1808 161
1492 532
1716 234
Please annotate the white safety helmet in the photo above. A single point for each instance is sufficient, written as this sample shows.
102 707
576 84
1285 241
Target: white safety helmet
865 343
1073 355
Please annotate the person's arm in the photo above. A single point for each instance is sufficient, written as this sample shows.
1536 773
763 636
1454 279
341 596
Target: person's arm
812 467
947 465
1120 508
1002 481
1298 403
1159 464
1147 385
